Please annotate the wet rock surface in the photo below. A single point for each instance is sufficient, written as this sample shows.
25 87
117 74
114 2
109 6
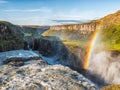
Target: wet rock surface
17 57
39 75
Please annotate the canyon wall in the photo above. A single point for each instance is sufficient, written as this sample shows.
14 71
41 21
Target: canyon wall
83 28
54 49
14 37
10 37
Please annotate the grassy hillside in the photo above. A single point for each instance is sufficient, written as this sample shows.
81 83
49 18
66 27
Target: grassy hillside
111 37
111 31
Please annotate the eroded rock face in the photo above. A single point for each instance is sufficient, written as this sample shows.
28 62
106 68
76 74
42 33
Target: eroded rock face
38 75
59 53
10 37
84 28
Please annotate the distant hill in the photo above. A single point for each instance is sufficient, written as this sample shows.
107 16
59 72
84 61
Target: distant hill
111 31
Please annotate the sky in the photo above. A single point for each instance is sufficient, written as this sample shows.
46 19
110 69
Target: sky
52 12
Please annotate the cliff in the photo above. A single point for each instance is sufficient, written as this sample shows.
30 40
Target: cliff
14 37
83 28
111 19
33 31
80 32
10 37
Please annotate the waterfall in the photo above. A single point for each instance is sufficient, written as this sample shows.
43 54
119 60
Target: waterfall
28 46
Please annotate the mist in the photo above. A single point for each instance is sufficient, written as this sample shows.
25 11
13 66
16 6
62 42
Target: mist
106 65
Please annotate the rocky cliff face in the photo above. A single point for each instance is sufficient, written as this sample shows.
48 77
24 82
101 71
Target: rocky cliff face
83 28
106 21
73 31
10 37
18 37
58 52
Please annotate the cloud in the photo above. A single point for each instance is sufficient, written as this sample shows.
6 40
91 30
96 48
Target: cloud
30 21
48 16
29 10
3 1
77 21
70 21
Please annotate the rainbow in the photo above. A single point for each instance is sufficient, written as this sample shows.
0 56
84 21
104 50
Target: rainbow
90 48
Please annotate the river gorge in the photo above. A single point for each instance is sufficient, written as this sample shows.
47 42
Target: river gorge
38 57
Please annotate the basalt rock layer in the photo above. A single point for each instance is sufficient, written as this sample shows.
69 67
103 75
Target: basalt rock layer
73 31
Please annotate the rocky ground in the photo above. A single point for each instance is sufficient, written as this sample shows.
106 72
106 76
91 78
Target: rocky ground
39 75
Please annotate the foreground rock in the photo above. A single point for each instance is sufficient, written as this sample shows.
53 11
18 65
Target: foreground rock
38 75
17 57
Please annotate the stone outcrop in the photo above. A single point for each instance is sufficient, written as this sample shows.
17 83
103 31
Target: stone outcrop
73 31
83 28
38 75
10 37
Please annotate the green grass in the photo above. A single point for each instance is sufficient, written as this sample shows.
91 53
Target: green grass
112 47
32 26
27 34
111 37
74 43
50 38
